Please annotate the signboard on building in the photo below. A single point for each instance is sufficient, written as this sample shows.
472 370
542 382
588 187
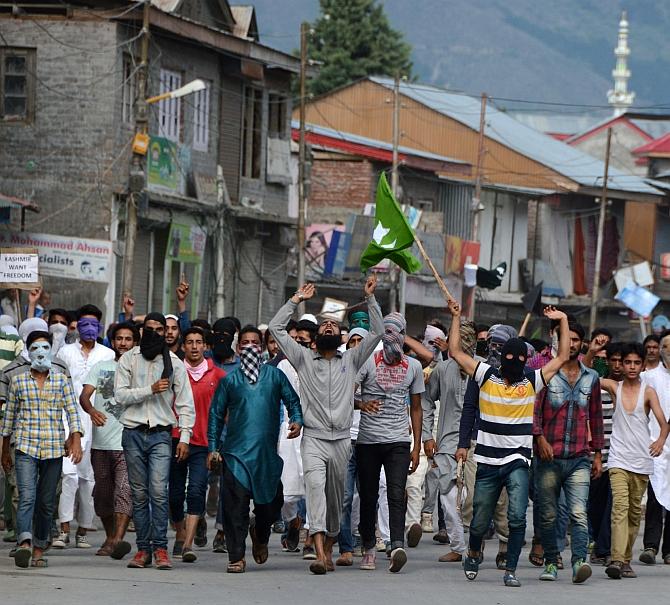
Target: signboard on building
19 268
186 243
168 164
64 256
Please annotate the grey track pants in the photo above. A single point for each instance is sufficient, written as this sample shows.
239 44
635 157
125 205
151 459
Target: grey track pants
324 465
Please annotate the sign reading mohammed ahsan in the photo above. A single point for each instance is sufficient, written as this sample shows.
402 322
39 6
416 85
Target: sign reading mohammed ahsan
19 268
63 256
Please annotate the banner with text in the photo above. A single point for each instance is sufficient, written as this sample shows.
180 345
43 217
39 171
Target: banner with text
19 268
64 256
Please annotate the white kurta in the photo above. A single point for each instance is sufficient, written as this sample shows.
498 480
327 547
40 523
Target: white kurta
289 449
659 379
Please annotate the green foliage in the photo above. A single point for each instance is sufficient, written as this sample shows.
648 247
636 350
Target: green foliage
353 39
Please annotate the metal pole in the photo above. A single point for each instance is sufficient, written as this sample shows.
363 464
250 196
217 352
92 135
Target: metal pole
137 165
601 234
220 263
302 206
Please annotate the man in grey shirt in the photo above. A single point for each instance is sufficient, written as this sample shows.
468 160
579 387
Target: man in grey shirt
388 379
447 384
327 379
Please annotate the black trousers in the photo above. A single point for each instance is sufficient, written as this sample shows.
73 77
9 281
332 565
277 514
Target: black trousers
600 514
236 499
653 525
370 459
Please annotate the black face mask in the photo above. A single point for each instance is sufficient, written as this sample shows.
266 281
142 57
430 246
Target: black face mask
512 369
482 348
328 342
305 344
221 348
151 344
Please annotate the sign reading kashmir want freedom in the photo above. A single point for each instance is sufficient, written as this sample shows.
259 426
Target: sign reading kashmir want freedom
67 257
19 268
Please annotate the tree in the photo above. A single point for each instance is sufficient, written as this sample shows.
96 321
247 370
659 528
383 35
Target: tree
353 39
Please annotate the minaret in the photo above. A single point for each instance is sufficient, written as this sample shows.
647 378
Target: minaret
619 98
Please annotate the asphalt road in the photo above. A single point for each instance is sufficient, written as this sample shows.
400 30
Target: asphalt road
76 576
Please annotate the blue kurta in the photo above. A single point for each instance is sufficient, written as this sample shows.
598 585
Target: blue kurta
250 445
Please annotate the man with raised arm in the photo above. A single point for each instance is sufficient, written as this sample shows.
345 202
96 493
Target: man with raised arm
505 438
327 378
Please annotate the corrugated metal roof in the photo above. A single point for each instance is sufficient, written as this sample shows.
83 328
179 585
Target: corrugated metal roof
354 138
567 161
569 124
166 5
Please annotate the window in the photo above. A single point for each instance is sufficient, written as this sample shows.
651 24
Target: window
129 90
251 133
17 84
169 110
277 116
201 119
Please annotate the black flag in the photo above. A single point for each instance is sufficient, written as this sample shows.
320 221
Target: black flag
532 300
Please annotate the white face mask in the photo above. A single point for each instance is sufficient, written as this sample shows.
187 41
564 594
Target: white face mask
40 356
58 331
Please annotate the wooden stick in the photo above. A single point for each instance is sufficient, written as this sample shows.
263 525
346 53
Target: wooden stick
18 305
524 325
440 281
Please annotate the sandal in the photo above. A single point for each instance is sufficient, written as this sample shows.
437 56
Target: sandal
258 551
120 550
41 562
22 556
105 550
536 556
237 567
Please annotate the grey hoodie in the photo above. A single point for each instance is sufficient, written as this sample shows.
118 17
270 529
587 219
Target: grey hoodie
327 386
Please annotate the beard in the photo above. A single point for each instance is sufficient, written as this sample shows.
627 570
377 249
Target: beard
328 342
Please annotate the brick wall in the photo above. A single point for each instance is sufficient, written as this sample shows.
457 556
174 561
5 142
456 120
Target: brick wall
343 183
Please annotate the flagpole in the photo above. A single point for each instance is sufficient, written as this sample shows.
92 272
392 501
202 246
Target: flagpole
524 325
440 281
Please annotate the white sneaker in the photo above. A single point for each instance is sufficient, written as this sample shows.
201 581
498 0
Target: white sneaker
82 541
380 545
62 541
426 522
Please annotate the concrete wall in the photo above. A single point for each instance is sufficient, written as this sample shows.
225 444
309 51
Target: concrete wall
624 140
63 160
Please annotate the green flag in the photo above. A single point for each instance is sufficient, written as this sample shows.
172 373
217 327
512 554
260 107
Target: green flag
392 235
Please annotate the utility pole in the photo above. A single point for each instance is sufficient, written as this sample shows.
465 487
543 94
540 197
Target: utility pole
476 200
302 202
601 233
469 294
137 176
397 294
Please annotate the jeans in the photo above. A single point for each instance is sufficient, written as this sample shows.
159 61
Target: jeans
573 475
394 457
36 481
346 538
236 515
148 460
491 479
194 468
654 528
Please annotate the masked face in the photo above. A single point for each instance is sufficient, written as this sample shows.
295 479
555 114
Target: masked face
151 344
493 357
482 348
40 356
89 329
59 332
359 319
513 359
251 359
222 347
